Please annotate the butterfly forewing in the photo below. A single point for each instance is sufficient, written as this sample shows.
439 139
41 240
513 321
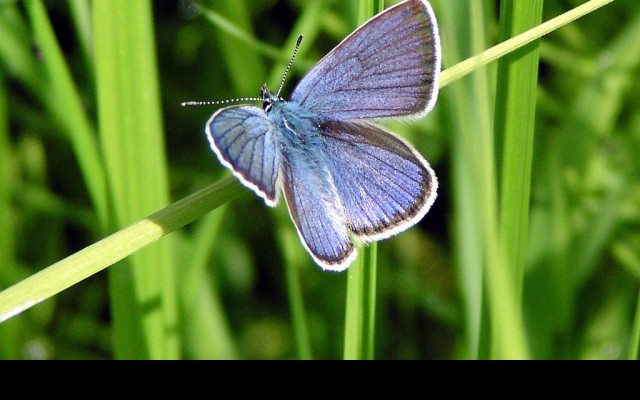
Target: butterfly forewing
389 67
384 185
244 141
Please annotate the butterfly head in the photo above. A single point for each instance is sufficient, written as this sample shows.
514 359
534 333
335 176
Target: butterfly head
268 98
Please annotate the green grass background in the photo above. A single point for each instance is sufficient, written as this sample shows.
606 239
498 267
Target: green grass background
532 249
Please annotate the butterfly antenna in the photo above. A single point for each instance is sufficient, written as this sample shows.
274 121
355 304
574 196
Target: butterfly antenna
217 103
286 71
245 99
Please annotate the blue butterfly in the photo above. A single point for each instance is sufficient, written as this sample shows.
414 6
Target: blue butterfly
343 177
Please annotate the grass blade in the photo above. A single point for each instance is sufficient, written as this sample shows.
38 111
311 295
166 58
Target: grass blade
361 284
634 350
206 333
108 251
361 306
81 12
485 57
514 118
143 295
294 258
308 25
64 103
468 104
245 71
10 333
575 254
474 166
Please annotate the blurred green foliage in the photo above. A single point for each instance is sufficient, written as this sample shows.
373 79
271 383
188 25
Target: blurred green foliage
580 282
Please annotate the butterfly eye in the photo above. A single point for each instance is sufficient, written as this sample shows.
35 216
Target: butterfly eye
266 106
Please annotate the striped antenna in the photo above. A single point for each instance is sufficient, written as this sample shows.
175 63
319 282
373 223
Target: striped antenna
286 71
216 103
244 99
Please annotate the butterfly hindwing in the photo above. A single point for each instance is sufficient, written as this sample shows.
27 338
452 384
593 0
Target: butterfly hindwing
388 67
244 141
317 215
384 185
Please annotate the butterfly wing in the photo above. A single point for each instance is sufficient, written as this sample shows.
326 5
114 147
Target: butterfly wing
244 141
384 184
317 214
389 67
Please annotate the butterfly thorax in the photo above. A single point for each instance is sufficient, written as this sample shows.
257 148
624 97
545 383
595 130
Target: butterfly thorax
295 125
293 121
297 134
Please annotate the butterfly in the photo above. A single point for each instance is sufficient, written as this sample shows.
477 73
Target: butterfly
343 177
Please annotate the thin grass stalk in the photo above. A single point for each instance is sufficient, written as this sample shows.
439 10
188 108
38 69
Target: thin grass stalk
16 51
308 25
359 342
132 136
248 40
474 170
245 71
361 284
108 251
485 57
63 101
508 339
81 13
514 123
634 349
207 335
294 258
463 107
7 185
481 166
10 333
